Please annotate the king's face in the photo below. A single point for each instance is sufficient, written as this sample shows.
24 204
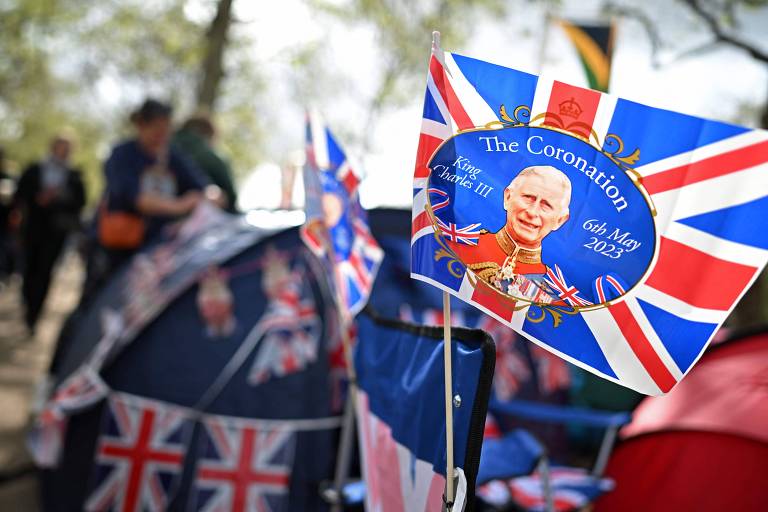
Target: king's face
534 209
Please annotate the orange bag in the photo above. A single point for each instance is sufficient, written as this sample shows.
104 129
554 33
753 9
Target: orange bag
120 230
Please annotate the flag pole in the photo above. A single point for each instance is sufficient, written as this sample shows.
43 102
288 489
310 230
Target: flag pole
448 400
448 378
344 453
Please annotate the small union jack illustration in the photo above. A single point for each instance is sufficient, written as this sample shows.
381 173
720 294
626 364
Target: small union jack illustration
465 235
562 290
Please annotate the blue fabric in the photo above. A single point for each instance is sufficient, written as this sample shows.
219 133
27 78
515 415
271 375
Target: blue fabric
402 374
560 414
735 223
515 454
676 332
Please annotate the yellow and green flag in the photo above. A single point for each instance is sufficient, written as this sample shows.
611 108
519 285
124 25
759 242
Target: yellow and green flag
594 43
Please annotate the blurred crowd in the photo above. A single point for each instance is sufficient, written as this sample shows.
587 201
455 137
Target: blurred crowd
155 177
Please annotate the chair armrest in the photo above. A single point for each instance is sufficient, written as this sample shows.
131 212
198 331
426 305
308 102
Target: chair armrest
549 413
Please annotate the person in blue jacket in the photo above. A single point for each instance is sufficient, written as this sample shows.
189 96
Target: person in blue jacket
147 178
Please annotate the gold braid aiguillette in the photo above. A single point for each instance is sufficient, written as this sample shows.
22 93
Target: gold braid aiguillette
485 271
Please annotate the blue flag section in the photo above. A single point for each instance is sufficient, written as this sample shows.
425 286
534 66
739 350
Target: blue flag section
610 233
401 413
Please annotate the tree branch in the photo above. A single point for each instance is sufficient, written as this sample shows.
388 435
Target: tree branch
711 21
645 21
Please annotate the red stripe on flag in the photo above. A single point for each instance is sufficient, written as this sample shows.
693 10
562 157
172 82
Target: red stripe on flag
574 108
698 278
420 222
350 182
359 269
427 146
493 301
719 165
449 96
642 348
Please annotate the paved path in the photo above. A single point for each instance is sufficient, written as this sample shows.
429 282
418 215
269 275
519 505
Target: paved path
23 361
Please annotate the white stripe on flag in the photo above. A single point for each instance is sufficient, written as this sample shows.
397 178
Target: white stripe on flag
518 318
678 307
426 231
440 102
474 105
618 353
709 195
433 128
716 246
541 96
703 152
419 203
653 338
419 183
603 116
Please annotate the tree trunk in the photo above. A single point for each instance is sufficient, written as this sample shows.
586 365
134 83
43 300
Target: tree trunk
213 65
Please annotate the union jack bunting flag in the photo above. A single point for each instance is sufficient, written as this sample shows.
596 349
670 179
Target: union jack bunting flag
139 455
79 391
291 322
336 228
572 489
243 466
636 220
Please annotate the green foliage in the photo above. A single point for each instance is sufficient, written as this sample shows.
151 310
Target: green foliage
403 30
82 65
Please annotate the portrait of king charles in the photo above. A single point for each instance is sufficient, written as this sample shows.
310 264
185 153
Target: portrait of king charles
536 203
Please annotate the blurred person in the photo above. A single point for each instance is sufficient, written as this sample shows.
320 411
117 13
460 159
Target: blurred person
148 185
7 189
50 196
195 140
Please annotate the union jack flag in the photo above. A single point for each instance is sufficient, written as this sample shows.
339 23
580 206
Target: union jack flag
79 391
243 466
139 455
291 323
336 228
707 183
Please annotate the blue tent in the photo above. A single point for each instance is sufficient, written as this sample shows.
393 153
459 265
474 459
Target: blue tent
165 351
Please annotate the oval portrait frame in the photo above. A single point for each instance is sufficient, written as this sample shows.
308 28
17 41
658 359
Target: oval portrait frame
622 162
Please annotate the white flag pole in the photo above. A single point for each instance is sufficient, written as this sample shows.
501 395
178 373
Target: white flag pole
448 400
344 454
448 379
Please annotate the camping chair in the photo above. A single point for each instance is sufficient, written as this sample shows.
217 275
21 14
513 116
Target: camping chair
517 453
590 485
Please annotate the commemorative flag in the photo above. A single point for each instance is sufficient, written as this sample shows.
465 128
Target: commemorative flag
615 235
402 421
336 227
